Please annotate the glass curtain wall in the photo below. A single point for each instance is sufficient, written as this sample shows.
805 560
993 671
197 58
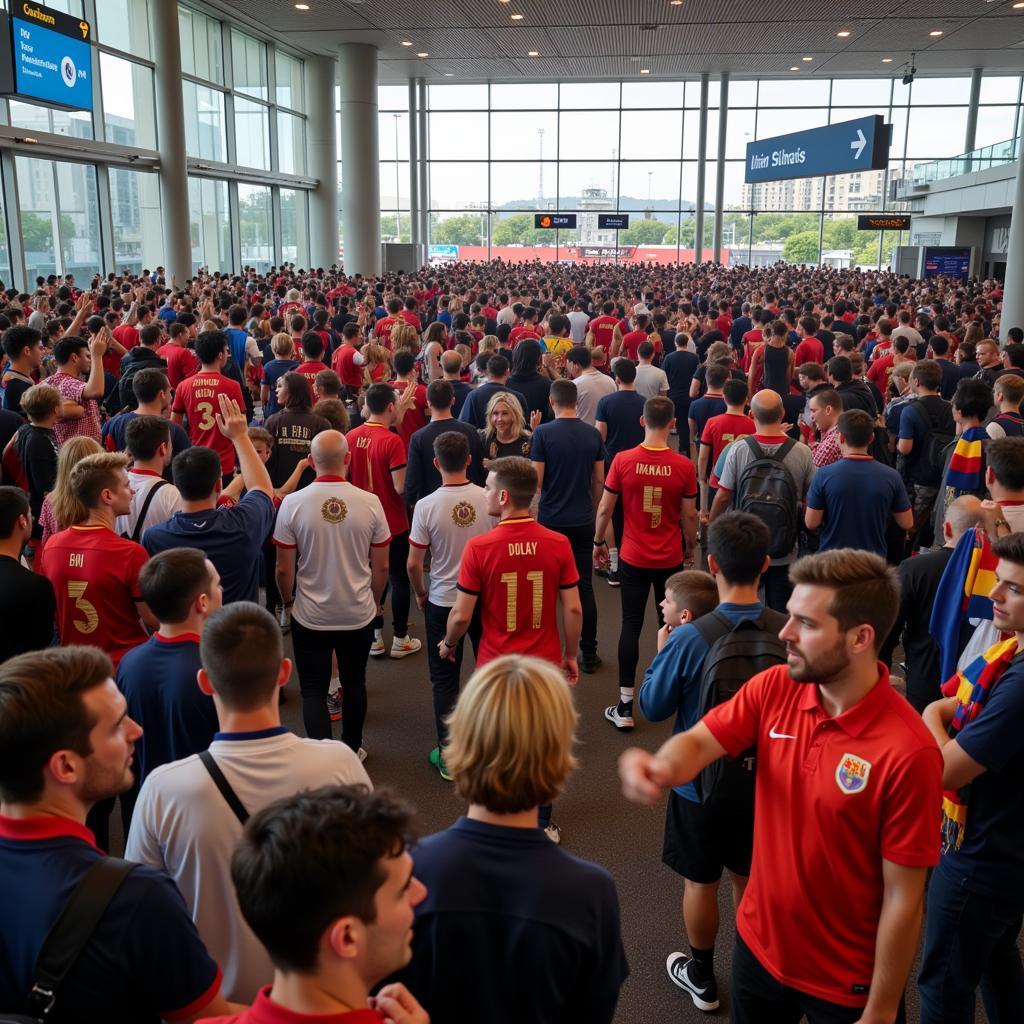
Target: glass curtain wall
501 153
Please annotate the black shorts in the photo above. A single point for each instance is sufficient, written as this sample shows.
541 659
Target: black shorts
699 842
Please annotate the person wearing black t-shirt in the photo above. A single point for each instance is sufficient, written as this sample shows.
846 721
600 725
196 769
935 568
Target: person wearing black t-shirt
23 347
527 377
27 603
680 366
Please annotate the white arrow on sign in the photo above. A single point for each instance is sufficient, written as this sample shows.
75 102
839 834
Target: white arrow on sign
858 144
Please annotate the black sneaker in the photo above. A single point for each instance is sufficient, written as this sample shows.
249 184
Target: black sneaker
590 665
621 716
613 579
599 571
680 970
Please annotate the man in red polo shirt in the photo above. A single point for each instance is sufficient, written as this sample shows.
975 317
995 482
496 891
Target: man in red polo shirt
601 330
658 487
632 340
348 361
383 328
848 805
527 329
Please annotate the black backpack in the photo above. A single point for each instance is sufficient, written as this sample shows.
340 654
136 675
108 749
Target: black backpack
767 490
926 469
736 652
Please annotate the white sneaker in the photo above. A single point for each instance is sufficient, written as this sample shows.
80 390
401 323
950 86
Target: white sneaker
403 646
284 619
376 648
620 721
362 755
705 997
554 833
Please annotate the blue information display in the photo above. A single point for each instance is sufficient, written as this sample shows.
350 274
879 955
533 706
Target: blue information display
858 145
942 261
619 221
52 56
554 220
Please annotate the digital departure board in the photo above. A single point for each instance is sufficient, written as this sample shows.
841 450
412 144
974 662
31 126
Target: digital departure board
883 222
51 55
554 220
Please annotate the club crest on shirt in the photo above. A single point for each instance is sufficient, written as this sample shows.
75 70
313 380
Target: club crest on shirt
852 773
334 510
463 514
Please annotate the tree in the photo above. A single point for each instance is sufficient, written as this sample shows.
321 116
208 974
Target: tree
645 232
842 234
777 227
464 230
37 231
519 230
392 230
801 248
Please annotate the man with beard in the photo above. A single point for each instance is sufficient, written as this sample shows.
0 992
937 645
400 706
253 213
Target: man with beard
66 742
847 806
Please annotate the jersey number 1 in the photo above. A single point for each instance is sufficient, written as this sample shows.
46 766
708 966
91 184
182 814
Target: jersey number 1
511 581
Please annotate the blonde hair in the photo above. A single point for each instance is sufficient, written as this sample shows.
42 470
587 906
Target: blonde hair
282 345
902 370
403 335
519 421
488 343
1009 385
67 509
511 735
40 401
95 474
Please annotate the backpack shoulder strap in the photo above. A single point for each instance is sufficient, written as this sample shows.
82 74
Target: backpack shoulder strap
70 933
712 627
141 521
230 796
755 449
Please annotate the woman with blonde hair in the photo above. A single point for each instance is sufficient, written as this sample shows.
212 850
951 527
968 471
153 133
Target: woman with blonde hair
284 361
506 432
498 890
404 336
61 508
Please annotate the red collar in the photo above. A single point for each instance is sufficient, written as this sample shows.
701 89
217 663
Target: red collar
327 478
145 472
265 1011
184 638
517 521
770 438
856 719
44 826
860 458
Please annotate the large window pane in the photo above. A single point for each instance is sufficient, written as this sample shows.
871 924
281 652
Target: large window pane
123 24
652 94
793 92
294 227
924 141
40 234
252 134
128 112
781 122
75 124
940 90
742 94
457 97
740 132
79 208
291 143
649 185
588 95
461 229
392 97
576 177
855 92
458 186
995 124
209 224
525 96
457 136
138 229
529 136
289 83
524 184
588 136
202 52
515 235
204 122
249 65
651 134
394 185
1000 89
392 136
254 226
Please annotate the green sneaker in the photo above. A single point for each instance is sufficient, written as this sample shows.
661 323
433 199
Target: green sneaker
437 761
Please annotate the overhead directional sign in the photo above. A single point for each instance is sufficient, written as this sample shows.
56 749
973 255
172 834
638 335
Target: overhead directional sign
607 221
858 145
554 220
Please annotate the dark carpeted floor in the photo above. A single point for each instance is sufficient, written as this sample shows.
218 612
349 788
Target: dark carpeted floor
597 822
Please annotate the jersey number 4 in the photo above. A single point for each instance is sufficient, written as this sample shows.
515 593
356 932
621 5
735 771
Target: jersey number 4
511 581
652 505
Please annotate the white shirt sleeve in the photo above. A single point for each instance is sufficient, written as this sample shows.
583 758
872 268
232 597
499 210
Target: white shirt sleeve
143 844
283 532
252 349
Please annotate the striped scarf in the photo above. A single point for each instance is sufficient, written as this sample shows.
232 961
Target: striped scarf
966 473
963 593
972 687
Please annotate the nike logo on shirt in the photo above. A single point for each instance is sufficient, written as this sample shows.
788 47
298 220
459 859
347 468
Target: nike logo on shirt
779 735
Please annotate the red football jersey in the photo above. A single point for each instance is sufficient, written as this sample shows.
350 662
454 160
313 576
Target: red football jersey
382 330
652 483
416 415
517 570
196 397
95 576
345 366
376 451
631 343
181 362
603 329
309 371
518 333
720 431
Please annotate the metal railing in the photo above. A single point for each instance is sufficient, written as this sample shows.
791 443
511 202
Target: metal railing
968 163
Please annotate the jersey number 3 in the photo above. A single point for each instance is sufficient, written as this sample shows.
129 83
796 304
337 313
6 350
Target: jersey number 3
76 591
511 581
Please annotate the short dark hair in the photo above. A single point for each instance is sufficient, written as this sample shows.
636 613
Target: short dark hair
209 345
939 344
149 334
840 369
563 393
645 350
440 394
148 383
973 398
625 370
451 449
516 475
379 397
1010 547
1005 457
739 543
497 366
241 652
857 428
404 361
328 383
196 472
580 355
300 394
311 858
812 371
145 434
735 392
312 345
170 581
928 374
66 348
17 339
13 504
717 375
659 412
41 712
1015 352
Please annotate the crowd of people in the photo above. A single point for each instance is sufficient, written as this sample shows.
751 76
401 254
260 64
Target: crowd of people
214 487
